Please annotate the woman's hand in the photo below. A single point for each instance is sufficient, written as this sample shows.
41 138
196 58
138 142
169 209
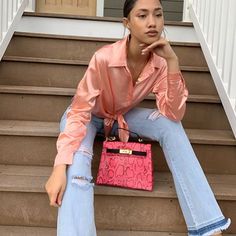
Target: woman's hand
56 185
163 49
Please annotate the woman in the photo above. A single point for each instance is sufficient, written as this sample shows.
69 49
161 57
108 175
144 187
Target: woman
119 76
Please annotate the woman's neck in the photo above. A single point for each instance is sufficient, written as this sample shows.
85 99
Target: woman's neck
136 62
134 52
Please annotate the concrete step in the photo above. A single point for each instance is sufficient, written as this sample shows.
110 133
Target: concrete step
115 208
74 48
33 143
49 103
40 231
67 73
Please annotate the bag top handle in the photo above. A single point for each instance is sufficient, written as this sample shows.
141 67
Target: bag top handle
114 138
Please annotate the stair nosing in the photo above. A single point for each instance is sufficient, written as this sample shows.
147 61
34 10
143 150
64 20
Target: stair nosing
44 60
93 39
61 91
82 62
163 187
51 129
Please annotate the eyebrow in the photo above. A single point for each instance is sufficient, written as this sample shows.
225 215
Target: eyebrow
156 9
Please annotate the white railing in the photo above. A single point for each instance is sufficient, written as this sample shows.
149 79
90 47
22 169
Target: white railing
215 24
10 14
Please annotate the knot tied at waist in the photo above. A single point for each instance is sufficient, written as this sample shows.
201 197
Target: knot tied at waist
123 134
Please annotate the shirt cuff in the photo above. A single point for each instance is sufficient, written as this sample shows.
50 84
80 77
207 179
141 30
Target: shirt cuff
64 157
175 76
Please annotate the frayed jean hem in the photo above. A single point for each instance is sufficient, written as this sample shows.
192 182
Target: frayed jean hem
211 229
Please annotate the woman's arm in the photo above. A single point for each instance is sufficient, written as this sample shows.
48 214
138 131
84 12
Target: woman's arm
80 114
171 94
170 89
69 140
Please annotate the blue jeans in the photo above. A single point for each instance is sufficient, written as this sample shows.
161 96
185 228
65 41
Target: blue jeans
199 206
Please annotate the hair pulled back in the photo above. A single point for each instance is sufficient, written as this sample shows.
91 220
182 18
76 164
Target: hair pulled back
128 6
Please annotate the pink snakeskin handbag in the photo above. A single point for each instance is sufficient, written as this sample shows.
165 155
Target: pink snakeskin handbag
126 164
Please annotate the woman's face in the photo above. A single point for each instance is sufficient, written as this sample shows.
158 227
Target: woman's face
146 21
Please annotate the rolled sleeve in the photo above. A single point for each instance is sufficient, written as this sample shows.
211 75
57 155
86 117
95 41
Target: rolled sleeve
79 115
171 95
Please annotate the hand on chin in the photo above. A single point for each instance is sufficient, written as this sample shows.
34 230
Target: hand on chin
149 40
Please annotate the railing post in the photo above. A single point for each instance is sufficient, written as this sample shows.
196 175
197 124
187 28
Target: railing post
31 6
229 42
203 10
186 14
4 15
10 10
100 8
222 38
1 20
216 35
206 17
211 28
232 84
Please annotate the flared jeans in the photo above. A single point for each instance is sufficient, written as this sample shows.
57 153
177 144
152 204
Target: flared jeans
200 209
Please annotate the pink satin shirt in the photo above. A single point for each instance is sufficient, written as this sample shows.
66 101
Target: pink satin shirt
107 91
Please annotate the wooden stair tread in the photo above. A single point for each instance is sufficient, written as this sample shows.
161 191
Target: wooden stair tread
44 60
29 128
51 129
32 179
26 231
39 231
37 90
80 62
56 91
70 37
84 38
36 231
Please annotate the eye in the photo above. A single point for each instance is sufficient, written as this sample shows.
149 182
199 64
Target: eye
159 15
142 16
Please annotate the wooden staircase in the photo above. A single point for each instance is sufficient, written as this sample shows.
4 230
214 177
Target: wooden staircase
38 77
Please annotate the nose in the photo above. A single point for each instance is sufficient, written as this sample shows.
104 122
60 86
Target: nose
151 21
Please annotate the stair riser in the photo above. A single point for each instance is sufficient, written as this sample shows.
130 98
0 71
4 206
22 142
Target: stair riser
84 49
111 212
40 74
41 151
199 83
55 75
50 108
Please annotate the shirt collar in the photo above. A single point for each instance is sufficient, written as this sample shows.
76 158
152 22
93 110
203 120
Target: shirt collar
119 55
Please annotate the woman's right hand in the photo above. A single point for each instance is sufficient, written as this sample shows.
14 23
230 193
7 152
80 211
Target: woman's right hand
56 185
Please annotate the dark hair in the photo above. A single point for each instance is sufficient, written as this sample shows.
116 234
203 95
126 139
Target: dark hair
128 6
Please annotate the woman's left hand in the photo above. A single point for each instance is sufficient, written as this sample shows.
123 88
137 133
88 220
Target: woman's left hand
161 47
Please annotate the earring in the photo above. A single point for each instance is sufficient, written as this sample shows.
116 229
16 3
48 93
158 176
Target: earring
164 32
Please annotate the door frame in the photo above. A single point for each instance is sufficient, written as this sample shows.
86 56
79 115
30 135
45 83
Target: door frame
99 12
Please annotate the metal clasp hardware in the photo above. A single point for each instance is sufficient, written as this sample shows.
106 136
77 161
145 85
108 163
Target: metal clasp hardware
125 151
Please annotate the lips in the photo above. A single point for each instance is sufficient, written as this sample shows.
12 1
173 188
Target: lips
152 33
